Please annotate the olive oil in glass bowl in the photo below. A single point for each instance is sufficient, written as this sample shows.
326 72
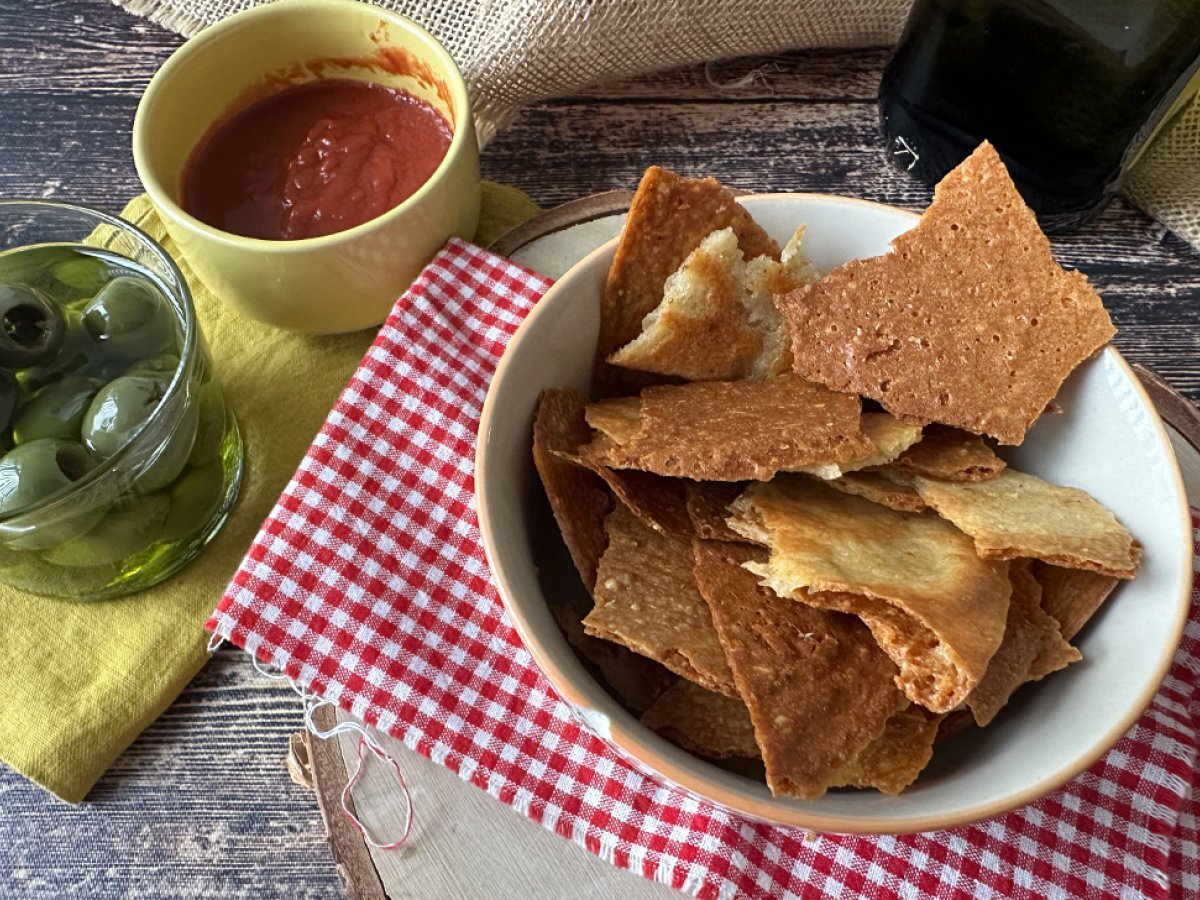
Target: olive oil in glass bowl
119 459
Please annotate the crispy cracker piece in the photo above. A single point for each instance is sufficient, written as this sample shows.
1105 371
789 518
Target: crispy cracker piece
646 599
1029 634
657 501
951 455
968 321
818 688
703 721
1019 515
878 489
616 418
717 319
893 760
889 438
933 605
708 507
577 497
1072 596
667 220
633 679
740 430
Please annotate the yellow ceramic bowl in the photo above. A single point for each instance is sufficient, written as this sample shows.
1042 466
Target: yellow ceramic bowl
343 281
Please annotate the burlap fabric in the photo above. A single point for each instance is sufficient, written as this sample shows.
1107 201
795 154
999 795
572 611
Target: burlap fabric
515 52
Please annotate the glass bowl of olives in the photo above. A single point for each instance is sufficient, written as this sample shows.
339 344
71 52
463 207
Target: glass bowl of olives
119 459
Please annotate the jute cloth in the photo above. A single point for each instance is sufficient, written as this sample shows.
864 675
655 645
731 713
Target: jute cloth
515 52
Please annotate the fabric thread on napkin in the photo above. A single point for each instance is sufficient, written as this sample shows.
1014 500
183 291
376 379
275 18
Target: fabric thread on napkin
79 681
368 585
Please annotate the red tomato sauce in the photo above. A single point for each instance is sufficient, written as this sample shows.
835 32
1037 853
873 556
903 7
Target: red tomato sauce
314 159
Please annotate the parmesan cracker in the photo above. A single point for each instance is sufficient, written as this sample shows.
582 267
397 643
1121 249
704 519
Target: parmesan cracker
740 430
646 599
667 220
968 320
717 320
1030 633
818 688
893 760
577 497
951 455
703 721
878 489
933 605
1019 515
1072 596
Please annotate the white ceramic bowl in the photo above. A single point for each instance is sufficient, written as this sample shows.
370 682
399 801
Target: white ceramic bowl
1108 441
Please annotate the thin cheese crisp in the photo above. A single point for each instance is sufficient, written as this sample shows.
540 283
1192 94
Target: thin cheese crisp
646 599
1019 515
818 688
933 605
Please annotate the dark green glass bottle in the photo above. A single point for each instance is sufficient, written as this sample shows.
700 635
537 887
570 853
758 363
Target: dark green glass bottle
1068 91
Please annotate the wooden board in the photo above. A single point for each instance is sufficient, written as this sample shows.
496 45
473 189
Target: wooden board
549 243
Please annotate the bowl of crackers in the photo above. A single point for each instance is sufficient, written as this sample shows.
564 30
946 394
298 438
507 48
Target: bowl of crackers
832 514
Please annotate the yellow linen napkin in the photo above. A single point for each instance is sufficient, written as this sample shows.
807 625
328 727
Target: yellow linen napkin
78 681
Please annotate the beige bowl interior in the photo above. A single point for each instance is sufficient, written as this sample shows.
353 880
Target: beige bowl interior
1109 440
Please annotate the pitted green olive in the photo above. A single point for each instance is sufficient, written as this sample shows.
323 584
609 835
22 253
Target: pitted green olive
121 533
32 327
163 365
118 410
170 459
130 318
56 411
32 472
84 274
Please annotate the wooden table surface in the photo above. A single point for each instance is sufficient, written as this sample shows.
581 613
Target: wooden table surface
201 804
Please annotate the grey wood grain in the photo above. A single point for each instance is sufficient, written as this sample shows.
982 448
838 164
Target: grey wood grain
201 804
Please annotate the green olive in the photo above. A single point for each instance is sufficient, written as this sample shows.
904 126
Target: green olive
55 411
33 472
119 410
8 398
194 499
211 432
170 459
121 533
75 356
83 273
32 327
162 365
130 318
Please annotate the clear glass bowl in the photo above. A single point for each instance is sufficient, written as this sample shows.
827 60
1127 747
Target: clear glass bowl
140 514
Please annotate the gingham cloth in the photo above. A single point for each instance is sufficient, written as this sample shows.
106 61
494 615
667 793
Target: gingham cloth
368 585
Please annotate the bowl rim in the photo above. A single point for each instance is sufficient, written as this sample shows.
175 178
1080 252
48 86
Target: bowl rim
190 354
462 137
632 745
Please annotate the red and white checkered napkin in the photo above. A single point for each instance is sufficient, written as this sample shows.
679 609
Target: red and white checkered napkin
368 585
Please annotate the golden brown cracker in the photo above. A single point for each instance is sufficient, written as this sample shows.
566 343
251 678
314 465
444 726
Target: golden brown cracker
893 760
616 418
818 688
968 320
951 455
741 430
1019 515
1072 596
717 319
703 721
708 508
646 599
1029 633
657 501
933 605
577 497
888 437
667 220
878 489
